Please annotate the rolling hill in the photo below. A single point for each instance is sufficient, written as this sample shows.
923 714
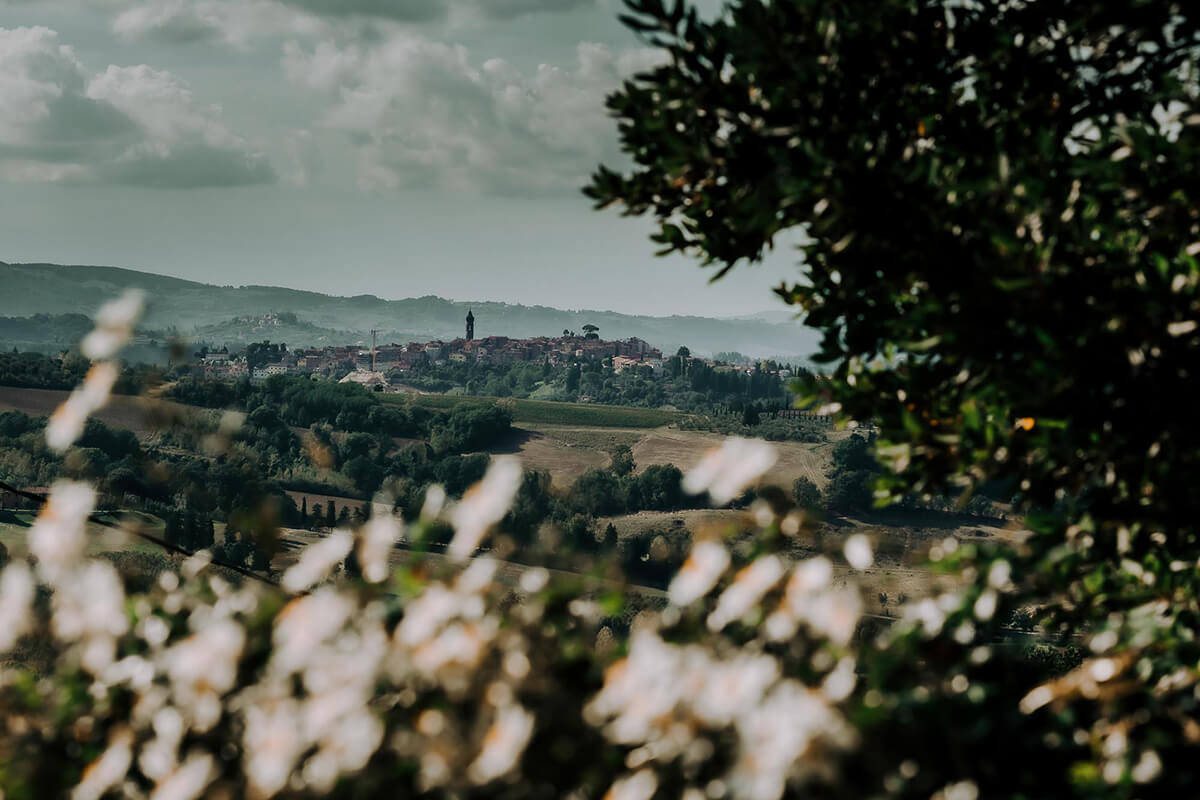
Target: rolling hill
221 314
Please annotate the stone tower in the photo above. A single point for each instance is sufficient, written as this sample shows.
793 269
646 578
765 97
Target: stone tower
470 325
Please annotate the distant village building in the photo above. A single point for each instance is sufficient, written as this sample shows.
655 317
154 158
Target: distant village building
369 367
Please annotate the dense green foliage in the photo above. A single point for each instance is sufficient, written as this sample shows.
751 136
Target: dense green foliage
551 413
1001 217
36 371
688 385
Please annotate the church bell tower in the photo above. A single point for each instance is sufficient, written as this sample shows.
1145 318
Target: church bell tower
470 325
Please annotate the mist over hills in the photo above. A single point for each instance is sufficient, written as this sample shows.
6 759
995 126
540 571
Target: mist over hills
235 314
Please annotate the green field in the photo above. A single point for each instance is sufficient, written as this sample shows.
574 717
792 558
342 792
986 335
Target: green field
551 413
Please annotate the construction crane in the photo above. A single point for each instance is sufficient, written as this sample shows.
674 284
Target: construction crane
373 332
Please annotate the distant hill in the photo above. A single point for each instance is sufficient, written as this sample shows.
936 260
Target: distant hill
220 314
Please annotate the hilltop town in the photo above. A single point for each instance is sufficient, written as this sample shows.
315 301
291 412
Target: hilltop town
377 365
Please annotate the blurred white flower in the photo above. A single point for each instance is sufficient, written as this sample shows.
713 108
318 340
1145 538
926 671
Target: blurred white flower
725 471
17 589
378 537
305 623
161 754
640 785
640 691
317 560
1169 119
271 743
202 668
88 607
808 599
729 688
1000 575
426 615
461 644
348 743
484 505
188 781
858 552
503 744
435 500
839 683
478 576
699 574
747 589
985 606
534 580
67 422
123 312
58 536
789 734
114 326
927 614
108 770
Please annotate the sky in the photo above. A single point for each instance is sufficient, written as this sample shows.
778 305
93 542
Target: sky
391 147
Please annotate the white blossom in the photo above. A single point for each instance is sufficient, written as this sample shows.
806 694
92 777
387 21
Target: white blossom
788 734
747 589
58 536
89 608
808 599
271 742
379 535
17 589
503 744
1169 119
114 326
699 574
839 684
305 623
858 552
108 770
640 785
317 560
985 605
66 423
203 667
725 471
188 781
484 505
425 615
729 688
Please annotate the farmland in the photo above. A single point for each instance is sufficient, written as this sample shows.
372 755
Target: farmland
567 440
546 412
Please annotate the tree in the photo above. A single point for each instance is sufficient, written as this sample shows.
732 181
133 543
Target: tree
806 494
750 414
999 209
853 454
590 331
851 490
622 461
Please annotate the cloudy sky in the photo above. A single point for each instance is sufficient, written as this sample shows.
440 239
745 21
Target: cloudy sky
392 147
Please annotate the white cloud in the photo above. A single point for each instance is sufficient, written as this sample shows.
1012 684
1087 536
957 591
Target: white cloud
424 113
130 125
237 20
234 22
